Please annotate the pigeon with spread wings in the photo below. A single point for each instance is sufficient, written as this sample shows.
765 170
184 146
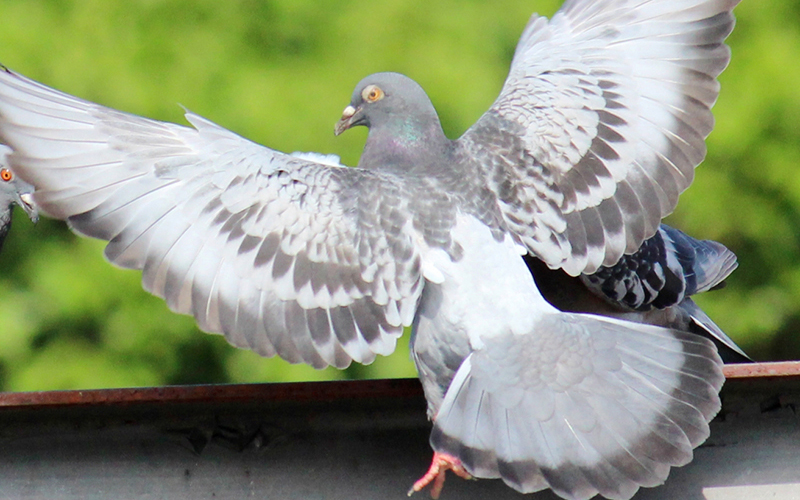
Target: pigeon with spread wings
596 131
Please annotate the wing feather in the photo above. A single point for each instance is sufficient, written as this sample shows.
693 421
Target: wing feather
282 254
604 114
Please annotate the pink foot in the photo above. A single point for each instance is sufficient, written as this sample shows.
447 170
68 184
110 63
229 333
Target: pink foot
439 465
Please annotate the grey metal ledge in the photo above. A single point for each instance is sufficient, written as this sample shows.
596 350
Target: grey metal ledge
335 440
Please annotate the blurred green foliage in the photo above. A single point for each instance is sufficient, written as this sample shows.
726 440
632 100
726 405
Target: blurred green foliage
280 72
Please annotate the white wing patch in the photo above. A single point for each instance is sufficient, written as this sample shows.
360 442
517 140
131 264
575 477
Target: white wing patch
323 159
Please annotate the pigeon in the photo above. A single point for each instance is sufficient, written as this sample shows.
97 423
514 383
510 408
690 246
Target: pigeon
13 191
595 133
652 286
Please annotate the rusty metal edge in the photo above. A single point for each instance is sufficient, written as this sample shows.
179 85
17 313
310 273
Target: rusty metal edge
220 393
292 392
761 370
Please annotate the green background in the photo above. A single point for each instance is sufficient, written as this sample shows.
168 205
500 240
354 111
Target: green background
280 73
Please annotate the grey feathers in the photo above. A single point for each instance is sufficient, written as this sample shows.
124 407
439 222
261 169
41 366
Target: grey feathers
233 233
573 423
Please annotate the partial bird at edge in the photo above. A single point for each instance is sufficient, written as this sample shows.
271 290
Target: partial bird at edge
13 191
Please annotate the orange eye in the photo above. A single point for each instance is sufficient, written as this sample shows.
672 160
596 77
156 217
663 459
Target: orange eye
372 93
6 174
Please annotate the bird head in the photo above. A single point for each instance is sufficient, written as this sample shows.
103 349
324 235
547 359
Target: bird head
404 129
15 191
387 99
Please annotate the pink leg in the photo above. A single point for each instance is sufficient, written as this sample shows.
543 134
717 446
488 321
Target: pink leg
439 465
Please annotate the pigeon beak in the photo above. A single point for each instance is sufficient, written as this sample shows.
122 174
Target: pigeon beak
27 204
350 117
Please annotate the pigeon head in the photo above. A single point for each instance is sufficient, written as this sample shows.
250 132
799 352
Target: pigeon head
15 191
404 129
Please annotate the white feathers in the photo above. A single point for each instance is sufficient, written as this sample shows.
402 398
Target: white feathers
331 159
490 281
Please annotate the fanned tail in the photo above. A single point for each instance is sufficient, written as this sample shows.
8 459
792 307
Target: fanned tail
583 406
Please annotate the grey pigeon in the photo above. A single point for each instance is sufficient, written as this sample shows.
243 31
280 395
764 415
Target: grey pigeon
652 286
596 131
13 191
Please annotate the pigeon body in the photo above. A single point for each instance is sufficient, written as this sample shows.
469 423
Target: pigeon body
596 131
13 191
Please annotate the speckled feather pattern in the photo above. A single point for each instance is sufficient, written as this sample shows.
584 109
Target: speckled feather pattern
667 268
610 102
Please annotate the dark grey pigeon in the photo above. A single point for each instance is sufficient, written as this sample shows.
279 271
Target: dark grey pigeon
596 132
13 191
652 286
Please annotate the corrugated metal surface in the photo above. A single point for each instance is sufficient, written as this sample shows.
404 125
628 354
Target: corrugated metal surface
339 440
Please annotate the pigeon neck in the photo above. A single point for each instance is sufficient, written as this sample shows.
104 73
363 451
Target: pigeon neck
404 146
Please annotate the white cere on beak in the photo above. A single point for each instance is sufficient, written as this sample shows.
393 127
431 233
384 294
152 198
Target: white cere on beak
27 199
348 112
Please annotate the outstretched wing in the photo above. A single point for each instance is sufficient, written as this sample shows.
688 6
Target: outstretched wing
601 122
281 254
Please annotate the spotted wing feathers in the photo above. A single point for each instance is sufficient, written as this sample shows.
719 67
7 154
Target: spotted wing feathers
279 253
667 268
600 124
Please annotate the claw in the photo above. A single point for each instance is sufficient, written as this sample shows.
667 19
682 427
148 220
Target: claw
440 464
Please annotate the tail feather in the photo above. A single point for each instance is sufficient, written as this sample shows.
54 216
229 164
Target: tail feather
729 351
586 405
713 264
